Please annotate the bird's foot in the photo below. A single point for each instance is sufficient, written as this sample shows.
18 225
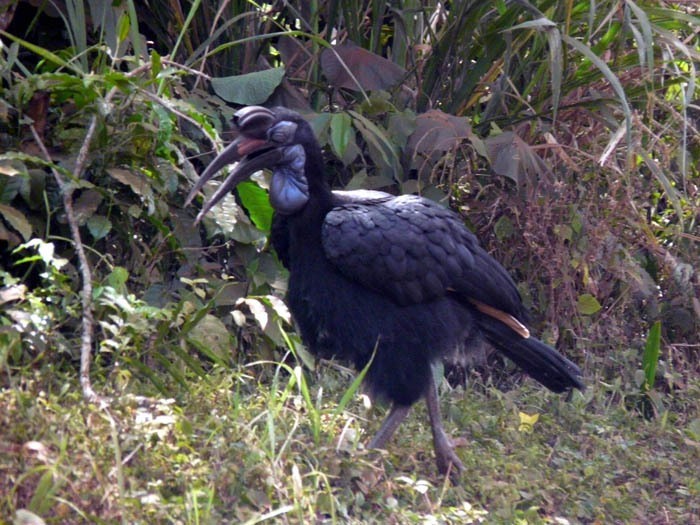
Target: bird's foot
446 458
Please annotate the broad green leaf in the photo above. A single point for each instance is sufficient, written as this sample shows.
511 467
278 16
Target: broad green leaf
693 429
512 157
99 226
383 151
341 133
320 123
257 202
15 155
401 126
248 89
587 304
117 278
210 334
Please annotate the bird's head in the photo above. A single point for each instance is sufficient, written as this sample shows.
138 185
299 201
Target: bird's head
275 139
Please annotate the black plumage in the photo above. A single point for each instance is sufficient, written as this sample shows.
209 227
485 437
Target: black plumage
369 271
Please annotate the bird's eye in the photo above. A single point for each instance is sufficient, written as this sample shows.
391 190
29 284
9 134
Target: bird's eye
282 132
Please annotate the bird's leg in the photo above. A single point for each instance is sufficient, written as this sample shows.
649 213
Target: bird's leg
391 423
444 453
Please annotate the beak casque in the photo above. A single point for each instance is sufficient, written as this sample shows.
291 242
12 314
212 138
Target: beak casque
237 151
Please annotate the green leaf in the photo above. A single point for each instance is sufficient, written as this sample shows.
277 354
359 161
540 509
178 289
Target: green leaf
44 493
382 151
99 226
651 354
587 304
503 228
210 335
123 27
156 64
645 38
354 387
693 429
43 53
256 201
117 278
341 133
248 89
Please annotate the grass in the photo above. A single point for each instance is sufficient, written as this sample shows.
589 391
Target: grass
249 445
263 442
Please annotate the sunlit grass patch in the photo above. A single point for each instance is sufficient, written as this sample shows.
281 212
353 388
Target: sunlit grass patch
242 446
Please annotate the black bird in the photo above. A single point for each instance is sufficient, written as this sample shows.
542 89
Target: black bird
370 271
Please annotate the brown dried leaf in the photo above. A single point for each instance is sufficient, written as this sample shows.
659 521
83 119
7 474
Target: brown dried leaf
438 131
369 69
12 293
512 157
86 205
38 110
17 220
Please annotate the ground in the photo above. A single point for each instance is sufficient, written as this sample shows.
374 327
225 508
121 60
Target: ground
269 442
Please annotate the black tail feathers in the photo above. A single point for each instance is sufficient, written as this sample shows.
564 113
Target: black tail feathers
539 361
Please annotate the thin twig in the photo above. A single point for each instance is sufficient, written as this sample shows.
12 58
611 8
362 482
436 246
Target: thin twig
88 321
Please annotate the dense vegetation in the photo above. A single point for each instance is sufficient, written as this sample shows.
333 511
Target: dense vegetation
149 369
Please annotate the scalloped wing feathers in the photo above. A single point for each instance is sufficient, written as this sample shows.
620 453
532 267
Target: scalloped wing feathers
414 250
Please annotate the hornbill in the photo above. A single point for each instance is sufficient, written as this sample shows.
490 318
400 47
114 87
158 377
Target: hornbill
396 280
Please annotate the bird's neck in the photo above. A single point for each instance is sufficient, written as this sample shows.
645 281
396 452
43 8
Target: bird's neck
302 229
305 226
320 195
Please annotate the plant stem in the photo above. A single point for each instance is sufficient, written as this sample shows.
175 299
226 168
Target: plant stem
88 320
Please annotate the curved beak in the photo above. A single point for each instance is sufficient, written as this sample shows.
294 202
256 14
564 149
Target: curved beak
237 151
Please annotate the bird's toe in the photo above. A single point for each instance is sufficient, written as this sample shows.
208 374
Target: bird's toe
448 462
